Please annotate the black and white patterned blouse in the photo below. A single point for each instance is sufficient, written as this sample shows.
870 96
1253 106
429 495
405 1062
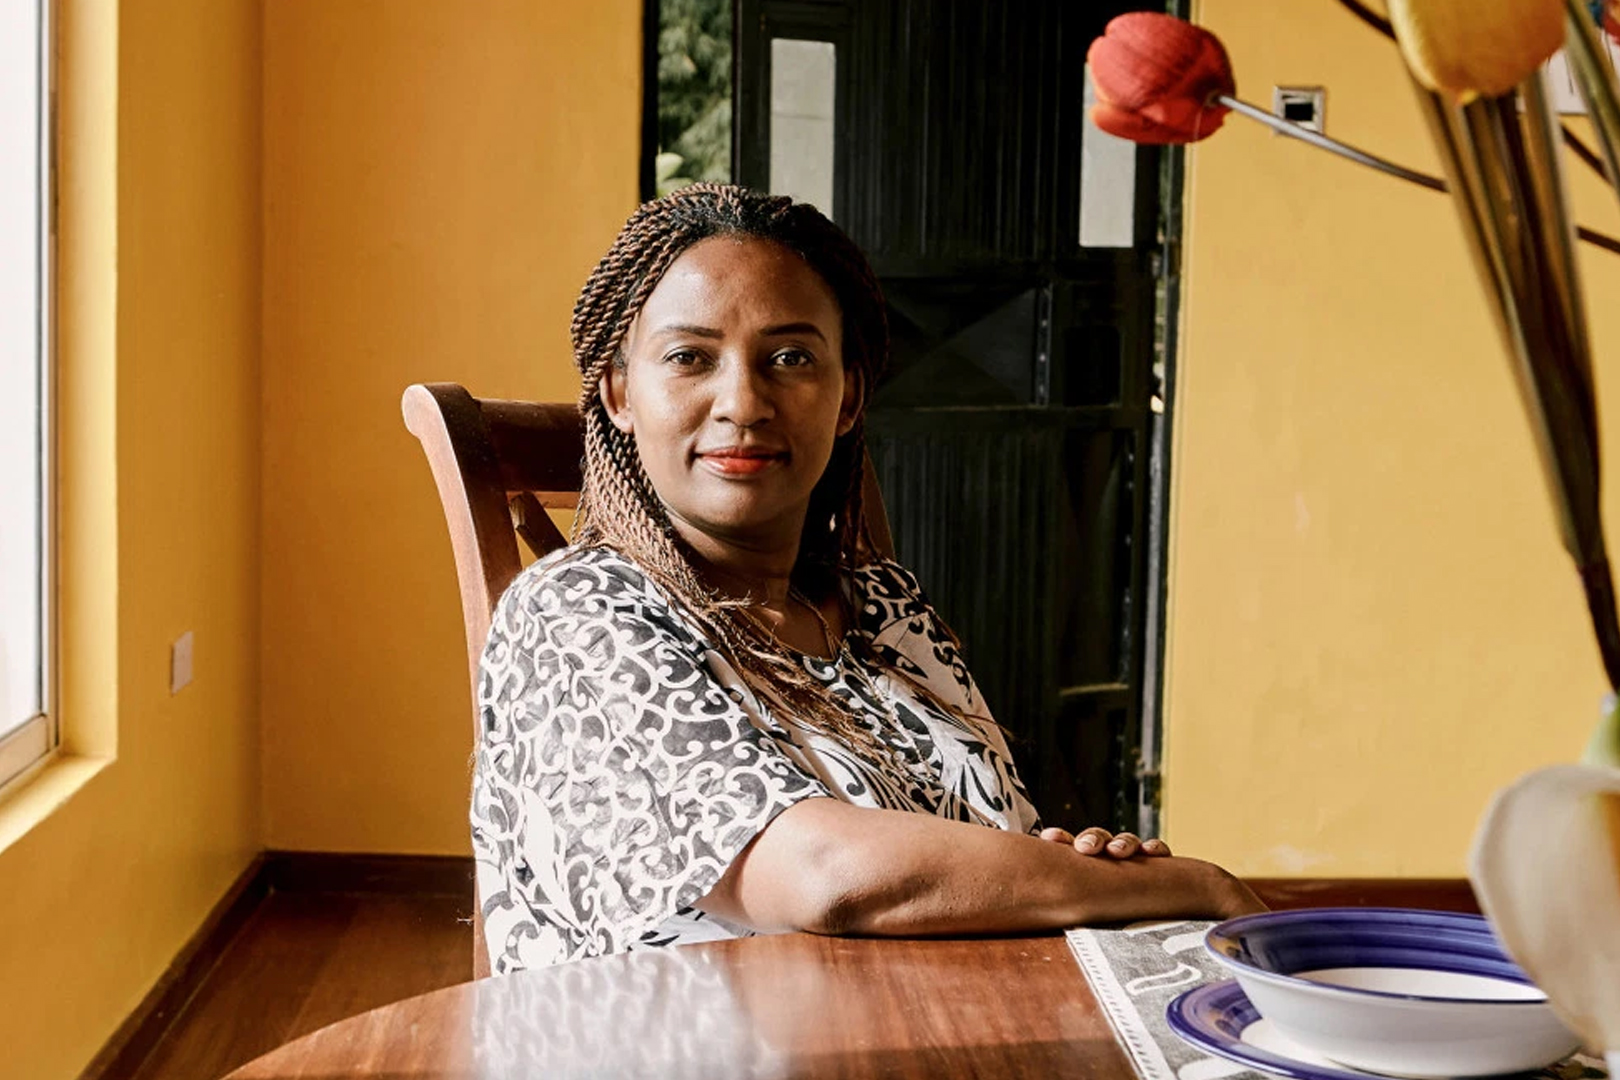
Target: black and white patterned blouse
623 763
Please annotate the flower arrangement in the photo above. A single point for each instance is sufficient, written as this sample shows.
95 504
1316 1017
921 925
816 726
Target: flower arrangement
1546 859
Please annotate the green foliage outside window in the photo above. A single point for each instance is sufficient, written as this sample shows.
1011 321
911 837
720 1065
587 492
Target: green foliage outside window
694 92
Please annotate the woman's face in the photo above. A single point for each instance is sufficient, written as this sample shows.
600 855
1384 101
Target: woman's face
734 389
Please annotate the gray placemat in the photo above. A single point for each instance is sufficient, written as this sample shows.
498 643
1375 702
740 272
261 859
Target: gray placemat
1136 971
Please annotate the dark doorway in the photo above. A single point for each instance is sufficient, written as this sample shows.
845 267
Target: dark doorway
1020 433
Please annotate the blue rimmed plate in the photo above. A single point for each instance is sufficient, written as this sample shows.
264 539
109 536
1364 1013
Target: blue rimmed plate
1218 1019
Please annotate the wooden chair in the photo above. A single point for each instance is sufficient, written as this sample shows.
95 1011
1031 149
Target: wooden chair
498 466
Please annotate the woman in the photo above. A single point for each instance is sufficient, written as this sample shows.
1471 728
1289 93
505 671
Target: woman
713 714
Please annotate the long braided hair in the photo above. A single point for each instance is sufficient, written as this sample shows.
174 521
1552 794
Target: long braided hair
618 506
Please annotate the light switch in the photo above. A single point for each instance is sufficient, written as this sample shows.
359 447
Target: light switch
180 663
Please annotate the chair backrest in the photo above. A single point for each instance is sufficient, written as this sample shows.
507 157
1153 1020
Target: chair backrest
498 465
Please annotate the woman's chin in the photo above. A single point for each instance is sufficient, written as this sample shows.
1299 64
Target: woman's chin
743 523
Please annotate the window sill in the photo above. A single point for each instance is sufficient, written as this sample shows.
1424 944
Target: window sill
33 798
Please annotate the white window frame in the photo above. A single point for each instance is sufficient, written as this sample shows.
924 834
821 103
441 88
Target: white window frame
29 748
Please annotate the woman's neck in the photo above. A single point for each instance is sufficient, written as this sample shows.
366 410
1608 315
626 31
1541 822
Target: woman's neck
759 572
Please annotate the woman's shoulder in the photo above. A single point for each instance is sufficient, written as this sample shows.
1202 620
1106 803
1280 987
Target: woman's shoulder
576 571
592 604
591 581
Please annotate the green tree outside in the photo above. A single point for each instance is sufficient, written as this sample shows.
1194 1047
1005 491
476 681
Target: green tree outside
694 93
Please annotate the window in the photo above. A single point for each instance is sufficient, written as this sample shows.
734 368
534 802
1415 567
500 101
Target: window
804 89
26 732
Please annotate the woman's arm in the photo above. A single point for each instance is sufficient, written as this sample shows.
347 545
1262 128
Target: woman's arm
831 868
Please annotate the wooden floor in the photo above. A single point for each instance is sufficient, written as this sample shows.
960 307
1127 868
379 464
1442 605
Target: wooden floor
305 960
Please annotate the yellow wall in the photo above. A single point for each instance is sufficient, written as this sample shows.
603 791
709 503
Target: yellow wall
1372 623
159 348
439 177
367 194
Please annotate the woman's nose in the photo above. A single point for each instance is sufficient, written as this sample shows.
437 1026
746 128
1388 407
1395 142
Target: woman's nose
742 395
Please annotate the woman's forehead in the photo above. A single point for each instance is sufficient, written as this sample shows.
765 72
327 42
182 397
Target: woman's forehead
725 280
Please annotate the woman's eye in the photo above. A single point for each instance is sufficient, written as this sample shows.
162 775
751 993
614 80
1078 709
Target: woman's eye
793 358
684 357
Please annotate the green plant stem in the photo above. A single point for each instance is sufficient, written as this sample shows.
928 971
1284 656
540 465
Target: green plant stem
1503 170
1597 85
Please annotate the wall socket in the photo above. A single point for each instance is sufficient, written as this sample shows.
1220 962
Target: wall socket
180 663
1302 105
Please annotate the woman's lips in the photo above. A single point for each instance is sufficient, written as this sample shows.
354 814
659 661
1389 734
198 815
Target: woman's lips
739 461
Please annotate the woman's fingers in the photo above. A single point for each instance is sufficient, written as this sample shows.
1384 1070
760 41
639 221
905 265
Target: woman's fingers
1092 841
1057 836
1099 841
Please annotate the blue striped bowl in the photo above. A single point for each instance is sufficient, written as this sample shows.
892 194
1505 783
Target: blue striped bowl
1392 990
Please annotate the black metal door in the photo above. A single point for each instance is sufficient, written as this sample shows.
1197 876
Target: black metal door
1013 431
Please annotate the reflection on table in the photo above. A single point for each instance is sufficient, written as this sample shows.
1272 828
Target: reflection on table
783 1006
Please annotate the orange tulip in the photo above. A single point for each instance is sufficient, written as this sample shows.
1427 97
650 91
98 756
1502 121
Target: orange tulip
1157 79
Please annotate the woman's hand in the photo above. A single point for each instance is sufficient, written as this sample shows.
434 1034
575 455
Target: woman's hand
1229 896
1099 841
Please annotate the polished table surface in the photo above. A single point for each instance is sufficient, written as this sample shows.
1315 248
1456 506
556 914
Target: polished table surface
790 1005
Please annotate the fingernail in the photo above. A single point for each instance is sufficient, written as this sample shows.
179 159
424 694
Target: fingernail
1117 845
1088 842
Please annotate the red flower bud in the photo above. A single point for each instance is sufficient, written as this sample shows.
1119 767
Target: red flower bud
1157 78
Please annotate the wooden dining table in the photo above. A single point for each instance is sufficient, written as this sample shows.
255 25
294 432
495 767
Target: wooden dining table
790 1005
779 1006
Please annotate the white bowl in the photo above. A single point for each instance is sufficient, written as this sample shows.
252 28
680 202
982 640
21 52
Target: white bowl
1394 991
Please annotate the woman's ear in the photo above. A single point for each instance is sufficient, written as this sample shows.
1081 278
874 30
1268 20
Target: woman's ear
854 401
611 390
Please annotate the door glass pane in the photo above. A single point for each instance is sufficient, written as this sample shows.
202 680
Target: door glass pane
20 426
1107 184
694 93
803 77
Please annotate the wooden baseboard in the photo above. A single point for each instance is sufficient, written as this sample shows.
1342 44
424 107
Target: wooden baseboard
123 1054
1438 894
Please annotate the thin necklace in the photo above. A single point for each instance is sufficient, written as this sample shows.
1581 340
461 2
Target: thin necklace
826 630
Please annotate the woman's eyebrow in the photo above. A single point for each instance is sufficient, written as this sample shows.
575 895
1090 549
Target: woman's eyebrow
793 328
689 328
781 330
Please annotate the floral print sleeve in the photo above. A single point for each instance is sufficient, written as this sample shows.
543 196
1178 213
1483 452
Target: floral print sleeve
623 764
616 779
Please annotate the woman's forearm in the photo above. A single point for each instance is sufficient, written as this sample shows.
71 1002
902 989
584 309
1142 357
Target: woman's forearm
828 867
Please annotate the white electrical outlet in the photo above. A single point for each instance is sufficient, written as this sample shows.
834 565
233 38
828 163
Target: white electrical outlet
180 663
1302 105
